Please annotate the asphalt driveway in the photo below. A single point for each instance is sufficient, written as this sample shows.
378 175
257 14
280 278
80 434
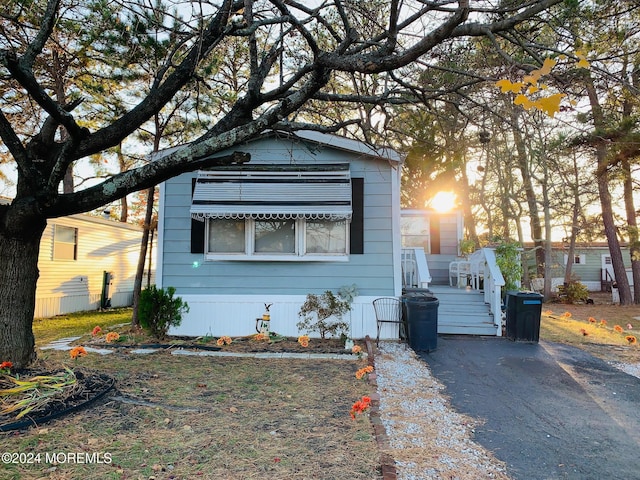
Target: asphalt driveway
550 411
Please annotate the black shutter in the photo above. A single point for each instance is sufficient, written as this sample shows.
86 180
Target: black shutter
197 229
357 217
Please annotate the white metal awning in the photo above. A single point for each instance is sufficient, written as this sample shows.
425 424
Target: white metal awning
273 192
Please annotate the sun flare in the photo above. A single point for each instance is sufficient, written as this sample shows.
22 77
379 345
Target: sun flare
443 201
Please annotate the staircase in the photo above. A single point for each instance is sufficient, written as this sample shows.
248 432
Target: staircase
463 311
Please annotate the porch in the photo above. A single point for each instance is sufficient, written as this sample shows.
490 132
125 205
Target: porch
468 290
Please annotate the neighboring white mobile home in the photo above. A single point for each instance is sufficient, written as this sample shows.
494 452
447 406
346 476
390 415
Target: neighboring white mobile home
310 212
86 262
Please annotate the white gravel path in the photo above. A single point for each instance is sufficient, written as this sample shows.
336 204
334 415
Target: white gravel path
427 438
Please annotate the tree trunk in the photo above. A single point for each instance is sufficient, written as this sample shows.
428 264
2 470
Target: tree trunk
577 208
137 283
634 238
18 277
124 209
532 203
602 177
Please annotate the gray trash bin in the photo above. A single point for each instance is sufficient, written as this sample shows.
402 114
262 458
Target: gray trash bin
524 310
420 311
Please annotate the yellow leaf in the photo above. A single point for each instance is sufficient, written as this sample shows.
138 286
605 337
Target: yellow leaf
524 101
547 65
508 86
551 105
583 63
532 78
532 89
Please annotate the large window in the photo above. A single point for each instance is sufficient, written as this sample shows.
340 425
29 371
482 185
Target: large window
227 236
290 239
65 243
276 212
325 237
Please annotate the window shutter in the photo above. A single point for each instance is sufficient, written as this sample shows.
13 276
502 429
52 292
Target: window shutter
197 229
357 217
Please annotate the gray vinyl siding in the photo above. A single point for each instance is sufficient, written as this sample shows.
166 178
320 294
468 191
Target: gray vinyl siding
448 235
372 271
590 271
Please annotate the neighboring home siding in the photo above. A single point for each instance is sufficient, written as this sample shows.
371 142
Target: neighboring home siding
589 273
294 278
66 286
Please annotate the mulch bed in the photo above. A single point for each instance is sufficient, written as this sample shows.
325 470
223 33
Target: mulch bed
89 387
240 345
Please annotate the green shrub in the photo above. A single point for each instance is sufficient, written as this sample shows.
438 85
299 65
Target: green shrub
323 314
158 310
508 260
573 292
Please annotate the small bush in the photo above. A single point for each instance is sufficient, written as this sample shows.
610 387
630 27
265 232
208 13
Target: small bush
573 292
158 310
324 314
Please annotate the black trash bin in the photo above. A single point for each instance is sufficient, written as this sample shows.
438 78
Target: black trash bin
420 311
524 310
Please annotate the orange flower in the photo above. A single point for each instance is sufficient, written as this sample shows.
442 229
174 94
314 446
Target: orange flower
220 342
584 332
112 337
77 352
224 340
260 336
566 314
360 406
546 313
303 340
592 320
356 349
363 371
618 328
96 330
8 365
631 339
603 322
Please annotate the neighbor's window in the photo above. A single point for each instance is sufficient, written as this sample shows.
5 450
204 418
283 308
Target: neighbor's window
580 259
65 243
290 239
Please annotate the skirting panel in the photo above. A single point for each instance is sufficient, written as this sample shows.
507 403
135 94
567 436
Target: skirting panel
235 315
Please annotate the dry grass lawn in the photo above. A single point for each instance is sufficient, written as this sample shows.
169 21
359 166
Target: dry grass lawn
184 417
600 339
